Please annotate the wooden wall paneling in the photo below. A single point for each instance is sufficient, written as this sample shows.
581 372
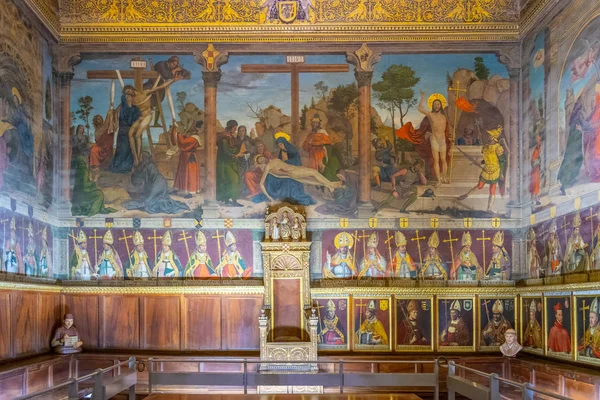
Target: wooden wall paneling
12 383
240 322
202 323
25 323
119 322
49 316
160 327
86 314
5 326
37 377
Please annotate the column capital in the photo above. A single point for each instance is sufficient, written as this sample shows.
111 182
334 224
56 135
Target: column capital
510 57
211 78
211 59
363 78
67 60
514 73
363 58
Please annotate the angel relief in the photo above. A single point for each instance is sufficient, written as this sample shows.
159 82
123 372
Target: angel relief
285 224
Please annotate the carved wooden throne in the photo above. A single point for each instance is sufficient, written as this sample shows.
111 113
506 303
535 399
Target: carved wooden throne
288 326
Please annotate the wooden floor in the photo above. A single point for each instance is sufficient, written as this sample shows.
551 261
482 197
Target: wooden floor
283 397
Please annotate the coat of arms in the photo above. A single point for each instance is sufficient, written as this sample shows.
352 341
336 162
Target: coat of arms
287 11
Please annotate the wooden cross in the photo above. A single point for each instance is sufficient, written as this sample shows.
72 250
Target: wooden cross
591 219
457 90
154 238
418 240
96 237
483 239
487 310
450 240
388 240
184 238
364 242
124 238
583 309
446 308
564 226
218 237
318 307
294 68
72 234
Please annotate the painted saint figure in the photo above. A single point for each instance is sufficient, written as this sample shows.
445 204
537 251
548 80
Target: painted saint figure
200 264
456 332
576 257
314 145
139 265
536 174
30 259
45 257
109 263
403 265
13 258
232 264
466 267
80 265
493 333
532 337
167 263
500 267
187 177
373 265
589 344
128 113
533 258
331 333
553 258
228 177
104 133
433 267
559 340
595 254
341 264
409 331
371 330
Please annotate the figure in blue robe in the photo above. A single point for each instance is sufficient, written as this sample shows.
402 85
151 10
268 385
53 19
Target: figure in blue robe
22 137
285 189
122 162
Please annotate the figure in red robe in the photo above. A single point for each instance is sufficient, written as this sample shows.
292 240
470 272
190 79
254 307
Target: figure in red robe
187 178
101 152
534 184
254 175
559 340
315 143
592 141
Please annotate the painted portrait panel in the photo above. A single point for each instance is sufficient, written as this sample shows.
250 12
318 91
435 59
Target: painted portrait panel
496 316
162 254
558 326
414 324
532 332
587 328
455 324
334 316
372 323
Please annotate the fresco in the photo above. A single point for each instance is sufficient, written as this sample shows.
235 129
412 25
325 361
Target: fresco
564 245
496 316
456 324
265 155
334 319
532 336
163 254
587 329
534 115
45 157
458 255
558 330
579 114
26 246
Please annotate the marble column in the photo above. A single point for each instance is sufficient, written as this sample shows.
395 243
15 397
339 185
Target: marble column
211 60
363 60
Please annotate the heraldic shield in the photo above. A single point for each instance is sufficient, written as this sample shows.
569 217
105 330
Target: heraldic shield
288 11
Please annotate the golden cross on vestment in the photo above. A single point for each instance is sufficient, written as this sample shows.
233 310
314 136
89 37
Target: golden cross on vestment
387 241
154 239
318 308
72 234
184 237
583 309
564 226
360 306
418 239
124 238
95 237
450 240
591 219
483 239
218 237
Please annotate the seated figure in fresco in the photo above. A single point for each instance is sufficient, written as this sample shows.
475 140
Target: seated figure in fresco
433 267
533 258
232 264
409 331
30 259
139 266
374 264
499 268
533 332
331 333
466 267
167 263
386 161
109 263
456 332
200 264
404 186
403 265
80 265
341 264
45 261
66 338
589 345
553 258
493 333
576 257
13 258
371 330
345 198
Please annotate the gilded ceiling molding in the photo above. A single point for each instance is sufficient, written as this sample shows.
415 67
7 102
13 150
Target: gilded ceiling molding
47 12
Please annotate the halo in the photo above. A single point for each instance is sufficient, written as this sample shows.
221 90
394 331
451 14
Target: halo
283 135
337 238
434 97
17 94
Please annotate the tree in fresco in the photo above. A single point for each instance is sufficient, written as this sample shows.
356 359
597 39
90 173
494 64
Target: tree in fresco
481 71
180 98
85 110
343 98
321 89
303 117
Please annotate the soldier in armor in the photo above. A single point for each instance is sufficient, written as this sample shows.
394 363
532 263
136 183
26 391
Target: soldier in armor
494 168
139 266
200 264
109 265
403 265
466 267
371 330
533 258
167 263
493 333
433 266
499 268
80 264
341 264
553 258
533 333
589 345
409 332
456 332
331 333
404 186
576 257
373 265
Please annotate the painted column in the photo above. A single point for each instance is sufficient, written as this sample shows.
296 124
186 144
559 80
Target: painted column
211 60
363 60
